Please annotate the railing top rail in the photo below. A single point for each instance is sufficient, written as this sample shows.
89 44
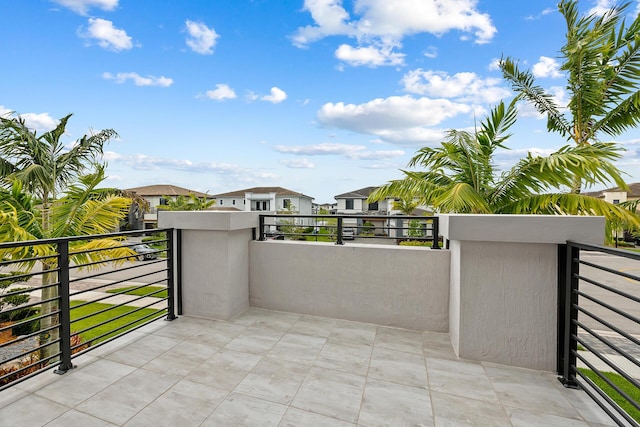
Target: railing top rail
605 249
76 238
422 217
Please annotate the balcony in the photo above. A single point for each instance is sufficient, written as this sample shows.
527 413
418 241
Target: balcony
272 368
304 333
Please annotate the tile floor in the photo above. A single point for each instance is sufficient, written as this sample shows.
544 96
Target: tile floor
269 368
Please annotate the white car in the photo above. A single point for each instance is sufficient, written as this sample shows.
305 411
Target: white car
348 233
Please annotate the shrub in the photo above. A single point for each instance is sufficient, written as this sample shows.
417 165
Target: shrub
368 227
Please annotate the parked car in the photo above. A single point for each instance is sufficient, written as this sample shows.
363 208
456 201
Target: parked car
145 252
348 233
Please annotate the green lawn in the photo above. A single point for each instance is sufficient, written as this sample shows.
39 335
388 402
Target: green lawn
141 291
323 235
107 327
623 384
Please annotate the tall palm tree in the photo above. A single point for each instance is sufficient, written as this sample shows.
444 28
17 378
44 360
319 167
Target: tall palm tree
601 56
83 210
41 166
461 176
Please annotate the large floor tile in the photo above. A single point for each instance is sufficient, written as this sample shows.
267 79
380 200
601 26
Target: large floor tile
345 357
298 348
225 369
523 418
239 410
182 359
353 332
32 410
398 367
297 418
74 418
331 393
314 326
438 346
143 350
125 398
464 379
274 379
457 411
399 340
185 404
391 404
217 334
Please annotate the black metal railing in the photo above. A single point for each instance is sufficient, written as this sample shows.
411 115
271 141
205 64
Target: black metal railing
599 327
339 228
60 298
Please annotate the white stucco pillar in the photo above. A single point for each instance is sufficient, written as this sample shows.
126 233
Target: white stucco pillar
503 291
215 260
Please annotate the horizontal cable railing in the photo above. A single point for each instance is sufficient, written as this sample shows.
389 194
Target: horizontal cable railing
60 298
600 349
400 229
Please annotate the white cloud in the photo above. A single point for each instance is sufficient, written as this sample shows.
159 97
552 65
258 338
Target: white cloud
371 56
41 122
601 7
276 96
466 86
82 6
392 21
221 92
400 120
108 36
353 152
139 80
298 163
202 39
431 52
547 67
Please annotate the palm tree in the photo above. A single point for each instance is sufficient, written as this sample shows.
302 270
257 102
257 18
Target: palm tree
461 176
83 210
40 166
187 203
601 57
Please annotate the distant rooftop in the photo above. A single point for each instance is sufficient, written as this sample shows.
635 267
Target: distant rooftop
633 192
165 190
262 190
362 193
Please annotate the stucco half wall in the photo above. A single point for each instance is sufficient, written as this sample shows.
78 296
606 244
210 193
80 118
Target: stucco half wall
406 287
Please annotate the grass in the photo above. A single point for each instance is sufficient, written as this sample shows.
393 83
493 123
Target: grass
323 235
622 384
130 290
99 318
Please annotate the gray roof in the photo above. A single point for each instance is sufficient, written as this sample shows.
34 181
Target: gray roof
362 193
633 192
165 190
262 190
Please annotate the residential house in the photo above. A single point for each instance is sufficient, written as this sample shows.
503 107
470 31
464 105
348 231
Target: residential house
268 199
616 195
158 195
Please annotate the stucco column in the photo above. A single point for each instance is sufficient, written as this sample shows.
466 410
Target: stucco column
503 296
215 260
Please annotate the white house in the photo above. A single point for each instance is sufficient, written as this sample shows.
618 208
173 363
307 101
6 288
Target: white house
617 195
158 195
267 199
355 202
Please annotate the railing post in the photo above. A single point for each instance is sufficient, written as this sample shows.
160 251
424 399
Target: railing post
178 282
339 240
570 329
436 233
171 315
65 308
261 226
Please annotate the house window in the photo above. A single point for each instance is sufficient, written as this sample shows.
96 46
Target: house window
221 202
616 201
286 203
233 202
373 206
265 206
244 202
163 201
349 203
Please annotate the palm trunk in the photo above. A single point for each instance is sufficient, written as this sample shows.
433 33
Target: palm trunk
48 278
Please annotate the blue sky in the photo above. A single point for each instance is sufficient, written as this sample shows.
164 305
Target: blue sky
318 96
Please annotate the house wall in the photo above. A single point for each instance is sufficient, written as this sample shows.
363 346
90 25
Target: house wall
610 196
342 206
228 202
397 286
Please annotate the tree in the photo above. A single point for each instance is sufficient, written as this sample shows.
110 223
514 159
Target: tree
36 168
83 210
460 175
187 203
601 57
406 206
